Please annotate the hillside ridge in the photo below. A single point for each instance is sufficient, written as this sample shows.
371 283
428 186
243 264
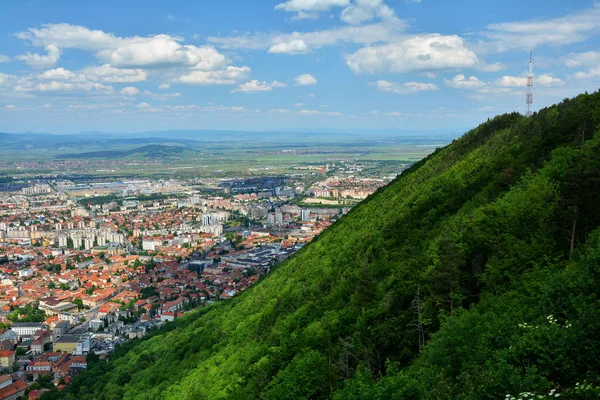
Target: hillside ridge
422 291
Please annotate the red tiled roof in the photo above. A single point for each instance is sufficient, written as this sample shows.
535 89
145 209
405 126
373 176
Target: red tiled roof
12 389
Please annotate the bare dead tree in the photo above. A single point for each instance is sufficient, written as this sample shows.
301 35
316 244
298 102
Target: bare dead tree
417 324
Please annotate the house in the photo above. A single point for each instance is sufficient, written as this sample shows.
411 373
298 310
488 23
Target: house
54 306
60 329
167 316
13 391
96 324
7 358
26 328
5 380
66 343
39 368
38 344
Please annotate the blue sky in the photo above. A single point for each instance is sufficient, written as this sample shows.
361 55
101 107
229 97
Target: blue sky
116 66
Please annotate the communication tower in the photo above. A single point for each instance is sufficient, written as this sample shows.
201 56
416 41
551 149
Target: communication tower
529 99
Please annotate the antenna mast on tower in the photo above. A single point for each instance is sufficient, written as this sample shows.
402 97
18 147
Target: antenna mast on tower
529 99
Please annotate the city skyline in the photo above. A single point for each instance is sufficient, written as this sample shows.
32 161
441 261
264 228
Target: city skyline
338 64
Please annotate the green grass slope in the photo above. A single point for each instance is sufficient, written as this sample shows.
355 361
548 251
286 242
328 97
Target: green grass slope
438 286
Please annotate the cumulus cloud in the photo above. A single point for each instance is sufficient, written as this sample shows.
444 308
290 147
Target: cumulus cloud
126 59
4 58
228 76
572 28
293 47
60 80
36 60
366 10
521 81
163 86
305 79
418 53
154 51
254 86
108 73
130 91
462 82
404 88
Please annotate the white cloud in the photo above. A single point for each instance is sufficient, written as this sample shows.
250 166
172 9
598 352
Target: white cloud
396 114
130 91
366 10
521 81
228 76
405 88
462 82
162 51
163 86
62 74
6 79
588 59
4 58
41 61
57 86
10 107
316 112
311 5
83 107
108 73
144 105
298 105
280 111
254 86
160 96
572 28
308 112
305 79
293 47
590 73
306 15
60 80
364 34
126 52
418 53
495 67
124 57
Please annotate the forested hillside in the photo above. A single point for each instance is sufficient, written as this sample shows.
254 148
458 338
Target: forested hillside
474 275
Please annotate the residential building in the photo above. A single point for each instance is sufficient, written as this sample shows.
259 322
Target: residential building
13 391
26 328
7 358
66 343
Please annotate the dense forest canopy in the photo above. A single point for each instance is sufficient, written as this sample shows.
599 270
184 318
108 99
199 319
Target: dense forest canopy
474 275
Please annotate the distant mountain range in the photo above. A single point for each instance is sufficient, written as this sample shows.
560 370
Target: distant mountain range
148 151
148 144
